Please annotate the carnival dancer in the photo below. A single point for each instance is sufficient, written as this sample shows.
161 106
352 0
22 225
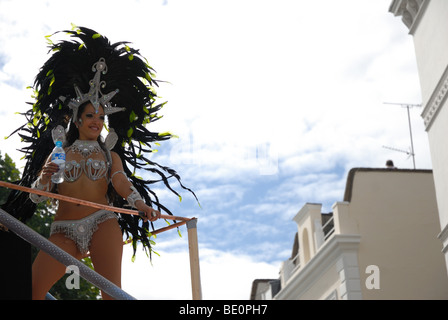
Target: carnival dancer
86 86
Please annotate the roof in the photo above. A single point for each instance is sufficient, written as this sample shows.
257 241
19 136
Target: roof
352 172
256 282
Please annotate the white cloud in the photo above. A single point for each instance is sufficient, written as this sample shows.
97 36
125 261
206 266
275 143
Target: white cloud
274 101
224 275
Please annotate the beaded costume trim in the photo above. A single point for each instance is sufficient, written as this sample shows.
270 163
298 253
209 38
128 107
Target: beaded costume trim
94 169
85 147
82 230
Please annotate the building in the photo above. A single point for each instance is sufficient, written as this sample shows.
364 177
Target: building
378 243
427 22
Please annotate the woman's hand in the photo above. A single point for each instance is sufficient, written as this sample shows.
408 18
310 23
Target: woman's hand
48 170
146 212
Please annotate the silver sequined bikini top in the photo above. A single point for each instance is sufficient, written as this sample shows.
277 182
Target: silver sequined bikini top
94 169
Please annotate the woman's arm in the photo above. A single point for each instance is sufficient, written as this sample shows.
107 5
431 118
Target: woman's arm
43 181
126 190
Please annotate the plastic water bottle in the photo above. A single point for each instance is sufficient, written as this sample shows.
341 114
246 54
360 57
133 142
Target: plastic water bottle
58 157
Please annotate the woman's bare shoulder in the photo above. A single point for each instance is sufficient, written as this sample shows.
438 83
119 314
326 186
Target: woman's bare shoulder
115 156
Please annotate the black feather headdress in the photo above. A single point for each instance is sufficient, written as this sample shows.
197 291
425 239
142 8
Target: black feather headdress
128 86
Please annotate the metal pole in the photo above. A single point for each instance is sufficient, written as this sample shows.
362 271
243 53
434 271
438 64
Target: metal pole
194 259
60 255
408 106
410 132
81 202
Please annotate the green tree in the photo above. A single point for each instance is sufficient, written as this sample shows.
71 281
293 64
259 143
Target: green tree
40 222
9 173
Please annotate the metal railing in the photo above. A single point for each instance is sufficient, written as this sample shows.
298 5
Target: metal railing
328 233
33 237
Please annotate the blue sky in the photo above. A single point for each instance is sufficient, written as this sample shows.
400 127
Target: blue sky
273 102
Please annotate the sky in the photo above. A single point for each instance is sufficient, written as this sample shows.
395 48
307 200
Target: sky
274 101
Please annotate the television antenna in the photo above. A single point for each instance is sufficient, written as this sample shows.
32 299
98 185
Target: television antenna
407 106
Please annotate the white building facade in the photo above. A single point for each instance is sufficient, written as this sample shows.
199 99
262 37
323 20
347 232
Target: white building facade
378 243
427 21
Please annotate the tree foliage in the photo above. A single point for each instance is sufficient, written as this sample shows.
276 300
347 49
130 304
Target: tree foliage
9 173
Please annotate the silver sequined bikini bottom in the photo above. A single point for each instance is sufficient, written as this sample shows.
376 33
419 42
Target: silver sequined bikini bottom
82 230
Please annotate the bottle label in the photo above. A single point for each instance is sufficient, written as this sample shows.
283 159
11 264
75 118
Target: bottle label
58 156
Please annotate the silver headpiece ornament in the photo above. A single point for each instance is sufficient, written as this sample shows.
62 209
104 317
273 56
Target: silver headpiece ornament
95 95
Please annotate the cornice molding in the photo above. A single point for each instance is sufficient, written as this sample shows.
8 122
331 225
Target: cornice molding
329 253
436 101
443 236
411 12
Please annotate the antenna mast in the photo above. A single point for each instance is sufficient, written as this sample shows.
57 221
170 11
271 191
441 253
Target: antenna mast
407 106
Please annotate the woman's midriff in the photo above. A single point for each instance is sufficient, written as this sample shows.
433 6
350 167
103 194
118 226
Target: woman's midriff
93 191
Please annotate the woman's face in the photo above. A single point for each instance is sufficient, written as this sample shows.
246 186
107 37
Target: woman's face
90 123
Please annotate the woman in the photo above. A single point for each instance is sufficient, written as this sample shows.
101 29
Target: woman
80 84
101 235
